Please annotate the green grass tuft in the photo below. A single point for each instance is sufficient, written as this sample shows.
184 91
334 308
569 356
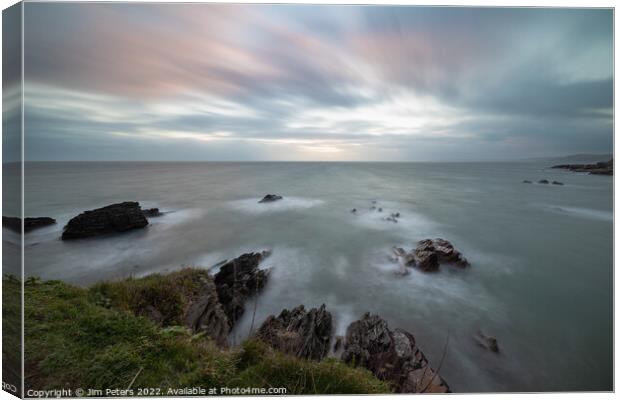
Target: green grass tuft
94 338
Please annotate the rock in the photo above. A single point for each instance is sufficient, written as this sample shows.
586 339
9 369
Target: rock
402 257
391 356
543 181
526 181
354 210
395 215
487 342
269 198
238 280
447 253
152 212
114 218
426 258
299 332
380 209
338 341
30 223
428 254
205 314
201 311
599 168
557 183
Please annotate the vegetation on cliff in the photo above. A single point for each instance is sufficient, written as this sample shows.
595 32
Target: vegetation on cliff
97 338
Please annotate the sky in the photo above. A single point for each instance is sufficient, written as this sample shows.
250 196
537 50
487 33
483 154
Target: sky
187 82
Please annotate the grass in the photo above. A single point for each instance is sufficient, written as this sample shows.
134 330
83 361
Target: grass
168 293
11 331
95 338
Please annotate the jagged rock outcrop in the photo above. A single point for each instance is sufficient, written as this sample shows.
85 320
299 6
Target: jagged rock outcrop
269 198
446 253
599 168
391 356
299 332
428 255
205 314
238 280
114 218
30 223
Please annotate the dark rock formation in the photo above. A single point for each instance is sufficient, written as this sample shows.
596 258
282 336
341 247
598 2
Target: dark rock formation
428 255
600 168
205 314
543 181
152 212
30 223
338 342
487 342
354 210
270 198
239 279
391 356
187 298
114 218
446 253
557 183
526 181
299 332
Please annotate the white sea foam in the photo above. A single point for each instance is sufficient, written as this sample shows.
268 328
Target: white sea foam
409 223
252 206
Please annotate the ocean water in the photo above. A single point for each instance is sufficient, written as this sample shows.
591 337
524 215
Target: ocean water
542 255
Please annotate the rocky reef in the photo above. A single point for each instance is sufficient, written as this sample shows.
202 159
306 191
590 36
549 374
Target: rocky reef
30 223
599 168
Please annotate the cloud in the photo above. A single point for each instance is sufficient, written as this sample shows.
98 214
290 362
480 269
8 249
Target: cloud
243 82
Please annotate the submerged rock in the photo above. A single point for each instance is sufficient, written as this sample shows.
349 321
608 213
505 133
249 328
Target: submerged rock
270 198
238 280
526 181
543 181
557 183
487 342
114 218
299 332
30 223
391 356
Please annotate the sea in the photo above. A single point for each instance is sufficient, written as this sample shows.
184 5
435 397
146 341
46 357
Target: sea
540 280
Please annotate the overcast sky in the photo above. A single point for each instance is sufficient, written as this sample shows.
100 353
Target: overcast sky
270 82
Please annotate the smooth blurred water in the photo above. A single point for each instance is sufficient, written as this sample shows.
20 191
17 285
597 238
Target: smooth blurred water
542 255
